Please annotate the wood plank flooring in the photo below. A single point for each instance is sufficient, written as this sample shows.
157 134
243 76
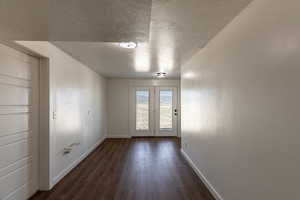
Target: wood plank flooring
131 169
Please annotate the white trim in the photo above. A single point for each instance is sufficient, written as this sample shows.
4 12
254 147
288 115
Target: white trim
154 82
213 191
118 136
61 175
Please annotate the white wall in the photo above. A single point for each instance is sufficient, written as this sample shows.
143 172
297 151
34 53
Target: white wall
240 105
78 97
118 102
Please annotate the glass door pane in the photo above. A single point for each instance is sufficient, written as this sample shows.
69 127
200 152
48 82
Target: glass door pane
142 110
166 109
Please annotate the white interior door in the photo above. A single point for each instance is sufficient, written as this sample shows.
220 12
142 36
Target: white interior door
18 124
143 111
166 111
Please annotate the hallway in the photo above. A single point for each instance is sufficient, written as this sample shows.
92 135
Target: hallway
149 100
131 169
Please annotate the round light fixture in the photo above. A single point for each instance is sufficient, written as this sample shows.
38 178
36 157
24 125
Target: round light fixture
128 45
161 74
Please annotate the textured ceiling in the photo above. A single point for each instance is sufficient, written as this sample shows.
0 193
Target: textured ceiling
75 20
24 20
178 29
168 32
100 20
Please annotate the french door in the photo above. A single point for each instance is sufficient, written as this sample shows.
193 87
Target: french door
154 111
166 111
142 111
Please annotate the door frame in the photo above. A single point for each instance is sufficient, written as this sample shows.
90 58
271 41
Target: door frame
150 83
45 110
173 132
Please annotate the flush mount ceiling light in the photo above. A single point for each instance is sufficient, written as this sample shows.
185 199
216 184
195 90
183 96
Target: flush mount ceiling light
161 74
128 45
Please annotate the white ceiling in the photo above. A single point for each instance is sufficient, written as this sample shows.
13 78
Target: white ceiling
75 20
168 32
178 29
100 20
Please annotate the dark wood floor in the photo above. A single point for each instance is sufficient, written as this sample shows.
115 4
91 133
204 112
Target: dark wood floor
131 169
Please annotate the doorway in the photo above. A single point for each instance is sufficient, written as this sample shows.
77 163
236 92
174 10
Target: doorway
154 111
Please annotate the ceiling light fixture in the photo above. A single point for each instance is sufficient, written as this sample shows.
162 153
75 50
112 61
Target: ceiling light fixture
161 74
128 45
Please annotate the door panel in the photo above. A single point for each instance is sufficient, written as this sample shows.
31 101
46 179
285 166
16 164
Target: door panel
18 124
14 152
143 122
11 183
166 111
15 94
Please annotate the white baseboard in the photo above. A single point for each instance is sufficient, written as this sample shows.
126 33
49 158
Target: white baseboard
118 136
56 179
216 195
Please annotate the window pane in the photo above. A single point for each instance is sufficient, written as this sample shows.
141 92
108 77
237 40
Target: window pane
166 109
142 110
